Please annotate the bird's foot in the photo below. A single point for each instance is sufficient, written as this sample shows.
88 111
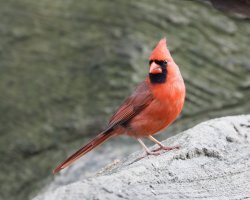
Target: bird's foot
148 153
165 148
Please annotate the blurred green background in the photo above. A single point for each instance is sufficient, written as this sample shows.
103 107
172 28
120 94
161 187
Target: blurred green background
65 66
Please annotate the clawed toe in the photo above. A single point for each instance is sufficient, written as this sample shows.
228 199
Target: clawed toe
153 153
165 148
156 152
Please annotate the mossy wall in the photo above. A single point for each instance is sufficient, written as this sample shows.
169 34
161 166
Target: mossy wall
66 65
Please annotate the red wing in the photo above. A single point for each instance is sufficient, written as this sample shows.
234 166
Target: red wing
134 104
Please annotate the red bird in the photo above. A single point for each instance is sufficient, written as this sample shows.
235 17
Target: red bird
153 106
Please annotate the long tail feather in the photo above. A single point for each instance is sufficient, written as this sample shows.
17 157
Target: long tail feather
99 139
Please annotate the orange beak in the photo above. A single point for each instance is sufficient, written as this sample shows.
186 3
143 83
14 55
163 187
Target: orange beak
155 69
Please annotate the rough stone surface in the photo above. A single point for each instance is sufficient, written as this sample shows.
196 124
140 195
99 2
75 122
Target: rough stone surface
213 163
112 151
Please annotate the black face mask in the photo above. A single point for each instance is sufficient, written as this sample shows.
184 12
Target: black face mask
162 77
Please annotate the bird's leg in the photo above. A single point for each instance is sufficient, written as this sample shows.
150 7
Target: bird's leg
148 152
162 147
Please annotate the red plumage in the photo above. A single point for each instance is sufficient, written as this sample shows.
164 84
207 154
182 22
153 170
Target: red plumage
153 106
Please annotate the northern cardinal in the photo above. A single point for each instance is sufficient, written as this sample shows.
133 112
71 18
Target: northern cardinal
153 106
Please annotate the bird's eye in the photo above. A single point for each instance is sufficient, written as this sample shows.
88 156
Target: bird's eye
161 62
158 62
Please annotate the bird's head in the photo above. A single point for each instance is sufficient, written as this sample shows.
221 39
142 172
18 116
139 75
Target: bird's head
158 61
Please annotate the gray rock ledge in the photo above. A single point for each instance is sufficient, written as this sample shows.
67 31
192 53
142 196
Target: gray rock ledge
213 163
